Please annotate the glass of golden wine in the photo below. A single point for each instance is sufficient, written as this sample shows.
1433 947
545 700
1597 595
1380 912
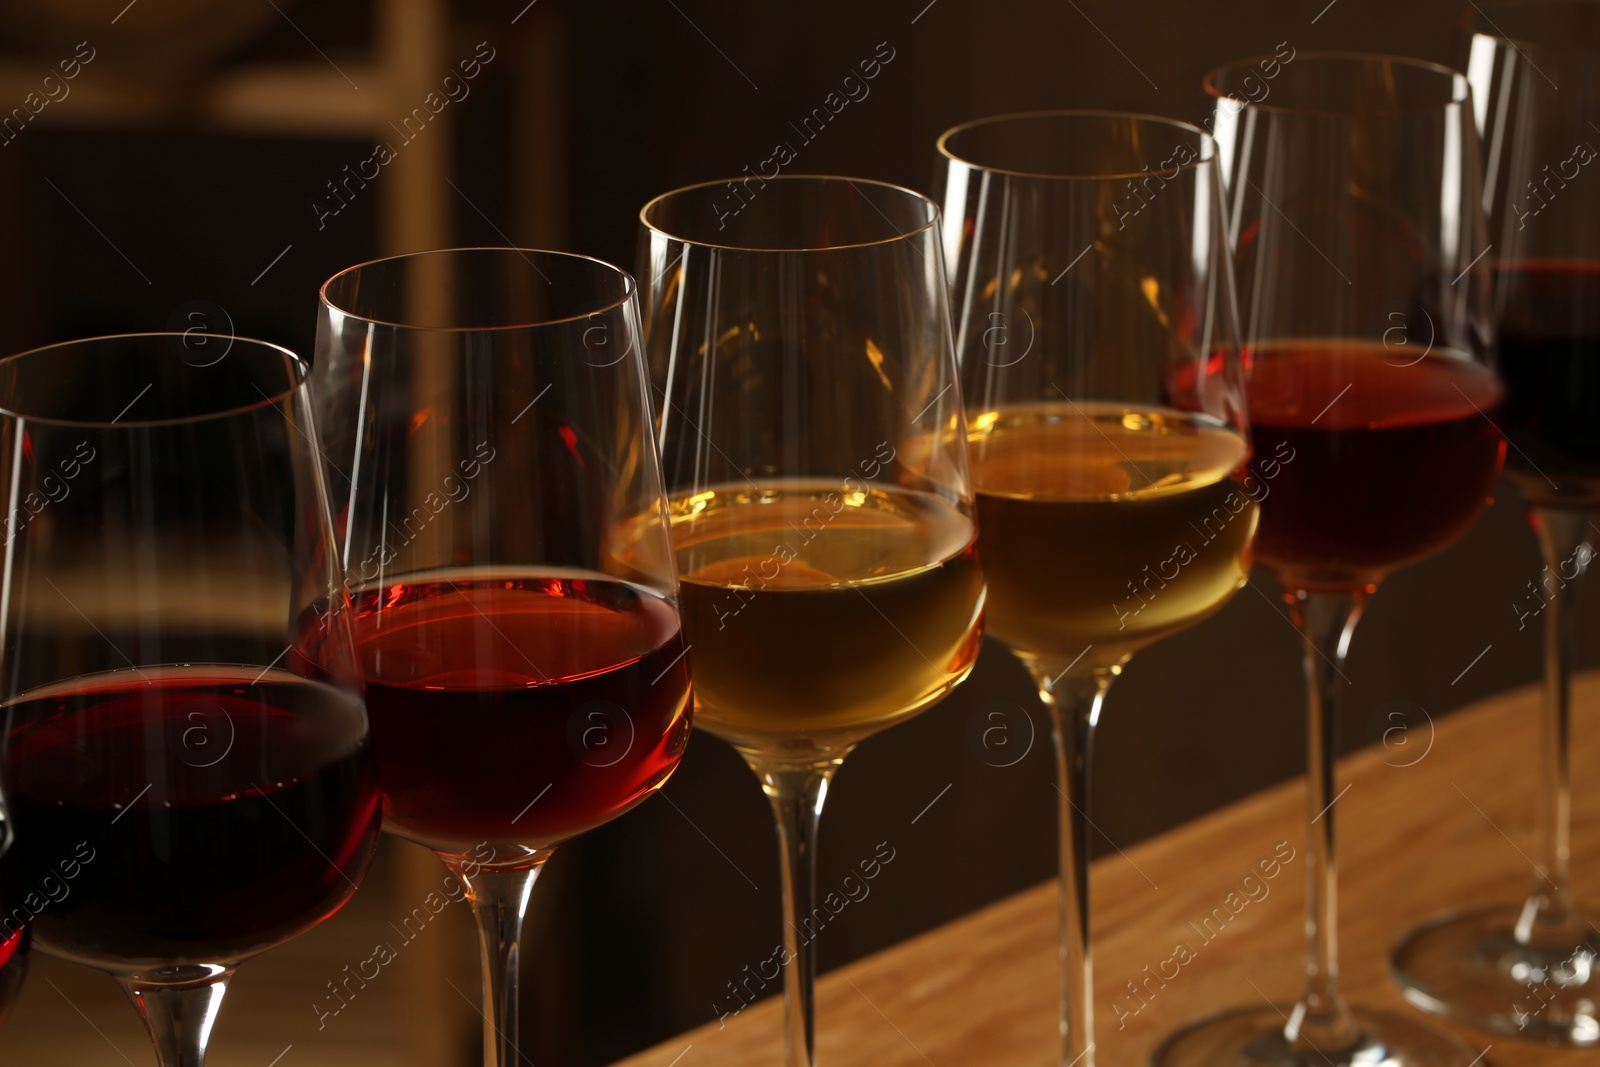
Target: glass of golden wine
820 508
1100 364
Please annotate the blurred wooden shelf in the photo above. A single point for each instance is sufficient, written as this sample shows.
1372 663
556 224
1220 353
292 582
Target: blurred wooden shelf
1422 829
368 98
283 98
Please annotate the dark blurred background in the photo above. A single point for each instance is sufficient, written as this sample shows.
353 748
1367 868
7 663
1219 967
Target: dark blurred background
194 173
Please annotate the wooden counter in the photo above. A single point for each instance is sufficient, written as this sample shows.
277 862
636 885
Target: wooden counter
1421 829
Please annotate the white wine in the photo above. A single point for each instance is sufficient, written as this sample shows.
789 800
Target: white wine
1106 527
817 614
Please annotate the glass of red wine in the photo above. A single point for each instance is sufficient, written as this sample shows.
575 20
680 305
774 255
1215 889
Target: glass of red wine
504 534
186 752
1354 194
1530 968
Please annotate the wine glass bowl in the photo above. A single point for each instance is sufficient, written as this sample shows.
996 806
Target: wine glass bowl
1107 431
187 760
1549 323
821 513
291 814
1368 355
597 726
488 435
1422 431
1083 335
1040 524
812 514
1536 79
750 689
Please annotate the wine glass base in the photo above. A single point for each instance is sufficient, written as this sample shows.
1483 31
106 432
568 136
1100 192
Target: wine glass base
1253 1037
1468 966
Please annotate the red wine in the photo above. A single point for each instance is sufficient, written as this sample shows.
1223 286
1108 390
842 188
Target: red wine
185 814
1549 359
1383 458
13 967
16 939
519 710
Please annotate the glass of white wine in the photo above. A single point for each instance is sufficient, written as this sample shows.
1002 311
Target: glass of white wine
1100 364
815 454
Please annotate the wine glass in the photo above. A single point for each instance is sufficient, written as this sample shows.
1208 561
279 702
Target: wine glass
1530 968
1100 365
486 415
1353 187
814 450
186 752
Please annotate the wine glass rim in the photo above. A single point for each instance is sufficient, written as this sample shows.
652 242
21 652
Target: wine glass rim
1207 153
300 368
931 223
1474 19
629 289
1459 94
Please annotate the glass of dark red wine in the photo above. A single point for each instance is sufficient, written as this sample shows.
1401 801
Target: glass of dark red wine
1356 230
504 534
187 757
1533 968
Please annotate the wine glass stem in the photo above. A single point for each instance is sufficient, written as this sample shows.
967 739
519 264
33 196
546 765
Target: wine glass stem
797 793
1074 702
1564 543
1322 1019
179 1015
499 900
